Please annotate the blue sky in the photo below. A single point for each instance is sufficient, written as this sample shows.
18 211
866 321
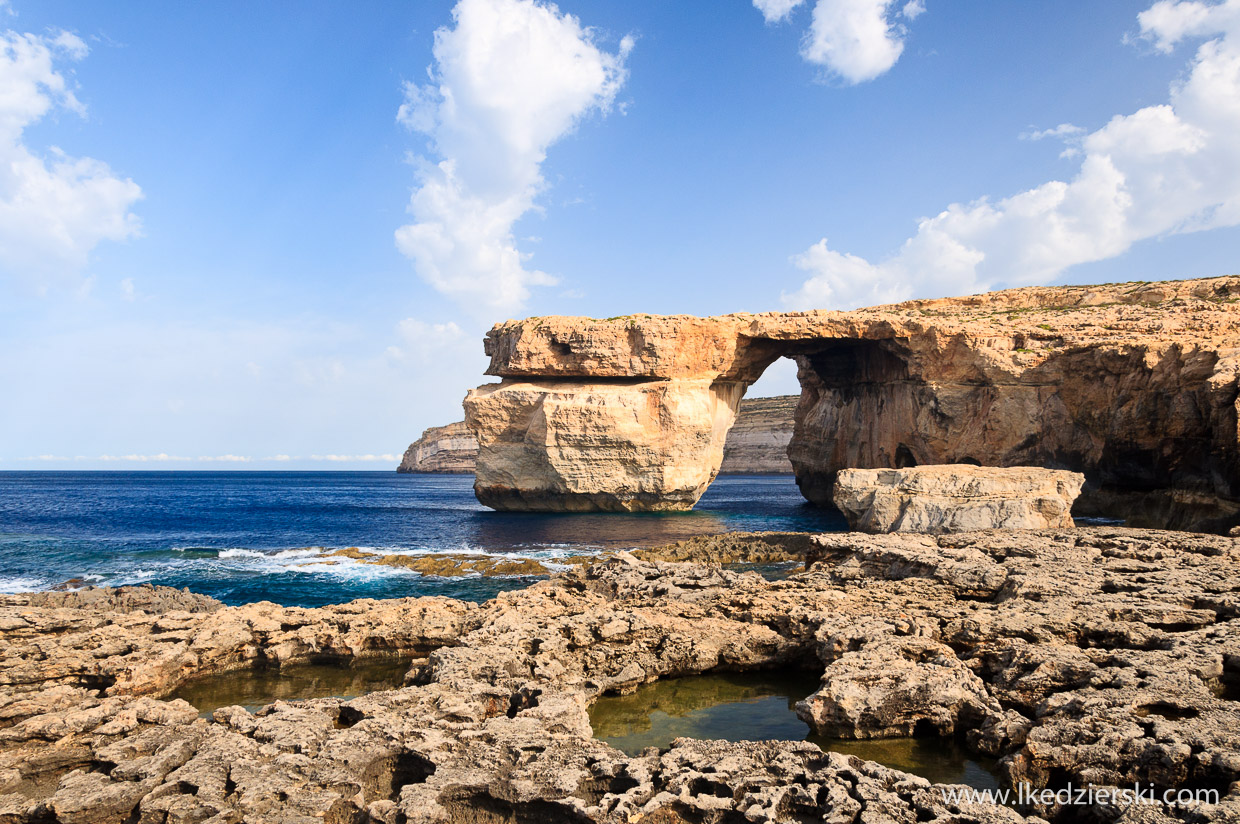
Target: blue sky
271 235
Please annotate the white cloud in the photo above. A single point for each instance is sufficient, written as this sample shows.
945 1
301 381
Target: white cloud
913 9
776 10
127 289
226 458
54 209
1162 170
854 39
1063 130
1166 23
510 79
355 458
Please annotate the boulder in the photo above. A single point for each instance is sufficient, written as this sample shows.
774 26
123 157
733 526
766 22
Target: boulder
956 498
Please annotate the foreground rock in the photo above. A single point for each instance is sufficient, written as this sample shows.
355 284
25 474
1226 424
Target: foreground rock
1089 656
956 498
1134 385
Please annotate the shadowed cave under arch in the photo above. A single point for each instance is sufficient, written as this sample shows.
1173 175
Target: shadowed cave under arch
631 413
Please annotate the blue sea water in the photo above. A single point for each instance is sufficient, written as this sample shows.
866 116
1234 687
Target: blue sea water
251 536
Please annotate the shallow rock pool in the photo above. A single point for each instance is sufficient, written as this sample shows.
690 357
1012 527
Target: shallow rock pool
256 688
758 707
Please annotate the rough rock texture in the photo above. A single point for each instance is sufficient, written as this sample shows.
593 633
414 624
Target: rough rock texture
956 498
564 446
144 598
1101 656
757 443
1135 385
449 449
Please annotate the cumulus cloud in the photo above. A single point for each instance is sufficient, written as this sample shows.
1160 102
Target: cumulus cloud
855 40
1164 169
913 9
54 209
510 79
776 10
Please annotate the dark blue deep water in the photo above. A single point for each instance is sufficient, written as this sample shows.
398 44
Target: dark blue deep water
251 536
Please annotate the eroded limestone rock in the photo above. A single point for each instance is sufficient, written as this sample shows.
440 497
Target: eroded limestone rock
1102 656
956 498
1134 385
565 446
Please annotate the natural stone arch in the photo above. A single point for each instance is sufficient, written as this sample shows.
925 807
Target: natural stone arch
1133 384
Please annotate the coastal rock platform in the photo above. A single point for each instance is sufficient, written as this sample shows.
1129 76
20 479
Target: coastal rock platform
1091 656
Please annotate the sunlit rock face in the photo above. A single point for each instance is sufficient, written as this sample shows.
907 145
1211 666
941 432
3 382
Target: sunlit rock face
575 446
1135 385
956 498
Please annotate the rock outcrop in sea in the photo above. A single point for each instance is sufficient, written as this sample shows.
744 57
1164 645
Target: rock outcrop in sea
1134 385
1092 657
450 449
757 444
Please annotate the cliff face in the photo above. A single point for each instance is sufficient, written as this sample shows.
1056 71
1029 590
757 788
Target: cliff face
756 444
451 448
758 440
1135 385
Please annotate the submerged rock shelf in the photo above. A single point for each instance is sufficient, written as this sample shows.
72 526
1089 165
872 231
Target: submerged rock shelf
1097 655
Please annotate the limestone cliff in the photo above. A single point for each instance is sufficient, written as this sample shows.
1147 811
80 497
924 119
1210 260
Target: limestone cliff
1135 385
756 444
758 441
451 449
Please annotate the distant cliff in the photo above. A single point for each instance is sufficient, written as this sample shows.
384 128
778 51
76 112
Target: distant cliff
757 443
449 449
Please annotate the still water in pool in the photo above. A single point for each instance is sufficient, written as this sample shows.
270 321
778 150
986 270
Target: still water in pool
256 688
759 707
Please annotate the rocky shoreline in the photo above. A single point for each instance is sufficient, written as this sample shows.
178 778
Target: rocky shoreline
1086 657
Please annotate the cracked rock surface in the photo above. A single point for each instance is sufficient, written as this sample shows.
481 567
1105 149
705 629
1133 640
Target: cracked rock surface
1088 656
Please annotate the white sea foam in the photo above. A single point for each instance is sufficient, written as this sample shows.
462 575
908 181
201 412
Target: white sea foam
10 586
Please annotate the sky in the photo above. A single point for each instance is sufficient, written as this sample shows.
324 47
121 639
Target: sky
240 235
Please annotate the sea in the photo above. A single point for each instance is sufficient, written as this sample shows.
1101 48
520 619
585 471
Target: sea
243 537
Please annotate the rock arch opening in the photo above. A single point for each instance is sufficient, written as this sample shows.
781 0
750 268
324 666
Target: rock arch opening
631 413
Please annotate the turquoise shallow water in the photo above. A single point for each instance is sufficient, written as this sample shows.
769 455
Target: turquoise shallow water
250 536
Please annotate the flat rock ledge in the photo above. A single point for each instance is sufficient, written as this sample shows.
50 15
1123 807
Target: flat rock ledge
956 498
1091 656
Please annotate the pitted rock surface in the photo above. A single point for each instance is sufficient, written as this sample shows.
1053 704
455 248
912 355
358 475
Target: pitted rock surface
1099 656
